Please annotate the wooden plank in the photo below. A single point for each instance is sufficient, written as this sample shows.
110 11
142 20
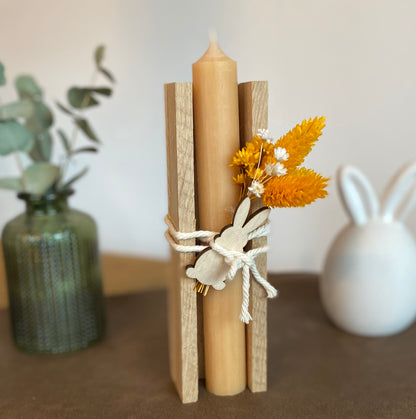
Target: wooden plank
183 341
121 275
253 107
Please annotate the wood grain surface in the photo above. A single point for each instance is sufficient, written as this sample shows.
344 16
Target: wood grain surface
183 340
253 105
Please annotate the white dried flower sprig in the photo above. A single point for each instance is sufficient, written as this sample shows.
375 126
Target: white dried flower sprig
279 169
281 154
256 188
264 134
271 169
275 169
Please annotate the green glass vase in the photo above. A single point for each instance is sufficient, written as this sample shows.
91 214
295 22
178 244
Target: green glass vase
53 276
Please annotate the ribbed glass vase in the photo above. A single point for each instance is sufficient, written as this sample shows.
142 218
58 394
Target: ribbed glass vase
53 277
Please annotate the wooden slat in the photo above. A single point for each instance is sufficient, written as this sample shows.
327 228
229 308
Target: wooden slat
181 196
253 107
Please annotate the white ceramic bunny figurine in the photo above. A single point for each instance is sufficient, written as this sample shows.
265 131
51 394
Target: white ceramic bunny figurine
368 286
210 268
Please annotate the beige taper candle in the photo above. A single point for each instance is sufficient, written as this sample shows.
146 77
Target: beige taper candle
215 93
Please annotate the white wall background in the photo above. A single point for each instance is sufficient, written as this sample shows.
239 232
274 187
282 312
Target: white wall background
353 61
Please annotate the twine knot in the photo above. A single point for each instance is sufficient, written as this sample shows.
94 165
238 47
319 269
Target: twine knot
245 261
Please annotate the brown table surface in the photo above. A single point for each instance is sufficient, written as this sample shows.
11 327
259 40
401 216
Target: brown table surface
315 370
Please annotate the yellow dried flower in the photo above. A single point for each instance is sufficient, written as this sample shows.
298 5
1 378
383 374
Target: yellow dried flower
268 147
299 141
248 156
255 173
244 159
268 159
298 188
240 179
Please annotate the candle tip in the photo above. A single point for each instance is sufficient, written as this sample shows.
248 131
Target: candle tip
212 36
213 51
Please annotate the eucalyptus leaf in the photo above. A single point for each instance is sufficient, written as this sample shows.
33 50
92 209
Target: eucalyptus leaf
42 151
85 127
27 87
64 140
21 109
2 76
85 150
107 74
99 54
105 91
45 144
41 118
81 98
64 109
13 183
14 137
39 177
75 178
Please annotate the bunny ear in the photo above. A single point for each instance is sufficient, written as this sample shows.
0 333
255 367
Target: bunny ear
256 220
399 197
241 212
357 195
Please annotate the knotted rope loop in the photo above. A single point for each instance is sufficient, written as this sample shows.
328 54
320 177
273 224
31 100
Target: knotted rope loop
174 237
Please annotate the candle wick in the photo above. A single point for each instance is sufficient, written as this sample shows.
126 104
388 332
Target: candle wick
212 36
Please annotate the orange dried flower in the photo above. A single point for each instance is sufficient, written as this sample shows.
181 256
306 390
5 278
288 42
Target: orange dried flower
299 141
298 188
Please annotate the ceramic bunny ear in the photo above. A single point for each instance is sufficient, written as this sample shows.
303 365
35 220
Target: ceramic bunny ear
357 195
399 197
256 220
241 212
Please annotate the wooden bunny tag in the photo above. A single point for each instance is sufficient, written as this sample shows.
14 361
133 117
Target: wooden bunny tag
212 265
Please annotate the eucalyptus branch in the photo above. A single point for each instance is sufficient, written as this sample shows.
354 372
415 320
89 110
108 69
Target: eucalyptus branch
21 170
75 130
19 164
25 129
84 104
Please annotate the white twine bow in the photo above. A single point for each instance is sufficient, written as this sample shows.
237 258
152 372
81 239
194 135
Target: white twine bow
235 259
